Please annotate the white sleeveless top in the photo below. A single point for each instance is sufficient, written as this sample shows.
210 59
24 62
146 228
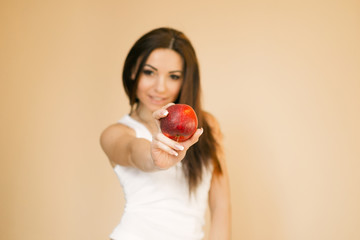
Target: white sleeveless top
158 205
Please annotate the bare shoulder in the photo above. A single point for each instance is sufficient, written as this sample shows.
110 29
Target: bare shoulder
114 136
115 131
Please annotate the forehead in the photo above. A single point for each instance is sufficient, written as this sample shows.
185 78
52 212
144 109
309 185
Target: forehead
164 58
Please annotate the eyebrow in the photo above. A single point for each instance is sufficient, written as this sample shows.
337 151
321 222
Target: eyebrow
179 71
148 65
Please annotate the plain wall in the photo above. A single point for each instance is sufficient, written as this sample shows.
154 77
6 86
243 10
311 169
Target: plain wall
282 77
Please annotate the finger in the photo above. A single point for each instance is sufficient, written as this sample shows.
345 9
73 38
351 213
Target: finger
159 114
168 105
194 139
165 148
169 142
162 112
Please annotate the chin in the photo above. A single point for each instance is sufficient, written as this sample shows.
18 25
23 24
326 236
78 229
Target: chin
153 107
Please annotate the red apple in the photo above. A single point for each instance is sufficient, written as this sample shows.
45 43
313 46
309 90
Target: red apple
181 122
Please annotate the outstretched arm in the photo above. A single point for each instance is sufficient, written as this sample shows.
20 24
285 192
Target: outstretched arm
122 147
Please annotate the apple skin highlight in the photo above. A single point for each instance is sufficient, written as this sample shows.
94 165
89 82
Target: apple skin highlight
180 123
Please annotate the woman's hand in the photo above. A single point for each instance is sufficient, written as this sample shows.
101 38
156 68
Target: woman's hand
166 152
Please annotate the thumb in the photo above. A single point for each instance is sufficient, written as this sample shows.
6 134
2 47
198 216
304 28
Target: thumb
194 139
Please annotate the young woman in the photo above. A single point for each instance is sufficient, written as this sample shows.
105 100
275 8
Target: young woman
168 185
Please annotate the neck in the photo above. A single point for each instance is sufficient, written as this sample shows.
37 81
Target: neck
144 116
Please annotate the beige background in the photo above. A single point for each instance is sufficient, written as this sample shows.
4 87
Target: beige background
282 77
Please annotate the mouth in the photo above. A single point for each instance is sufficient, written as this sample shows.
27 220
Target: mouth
158 100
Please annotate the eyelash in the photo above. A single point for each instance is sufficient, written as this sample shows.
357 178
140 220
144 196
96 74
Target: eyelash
148 72
151 72
174 77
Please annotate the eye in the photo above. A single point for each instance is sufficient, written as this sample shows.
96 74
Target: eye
175 77
148 72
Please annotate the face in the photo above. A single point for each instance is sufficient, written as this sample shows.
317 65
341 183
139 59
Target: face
160 79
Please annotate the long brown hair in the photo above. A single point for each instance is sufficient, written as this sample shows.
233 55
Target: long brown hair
205 151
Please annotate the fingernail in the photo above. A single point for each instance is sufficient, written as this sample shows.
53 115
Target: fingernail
179 147
175 154
165 113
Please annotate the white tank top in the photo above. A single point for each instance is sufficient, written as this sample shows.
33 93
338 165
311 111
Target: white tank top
158 205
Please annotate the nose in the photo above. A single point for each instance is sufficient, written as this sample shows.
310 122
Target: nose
160 84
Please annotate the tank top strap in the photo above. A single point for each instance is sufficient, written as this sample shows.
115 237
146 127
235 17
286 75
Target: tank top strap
140 130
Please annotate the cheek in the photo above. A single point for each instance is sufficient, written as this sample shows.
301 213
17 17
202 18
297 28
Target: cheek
143 85
140 90
176 86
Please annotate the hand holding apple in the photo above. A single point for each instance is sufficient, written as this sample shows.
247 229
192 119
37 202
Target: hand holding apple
180 123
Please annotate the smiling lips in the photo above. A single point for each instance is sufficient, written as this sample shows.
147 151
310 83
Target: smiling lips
156 99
